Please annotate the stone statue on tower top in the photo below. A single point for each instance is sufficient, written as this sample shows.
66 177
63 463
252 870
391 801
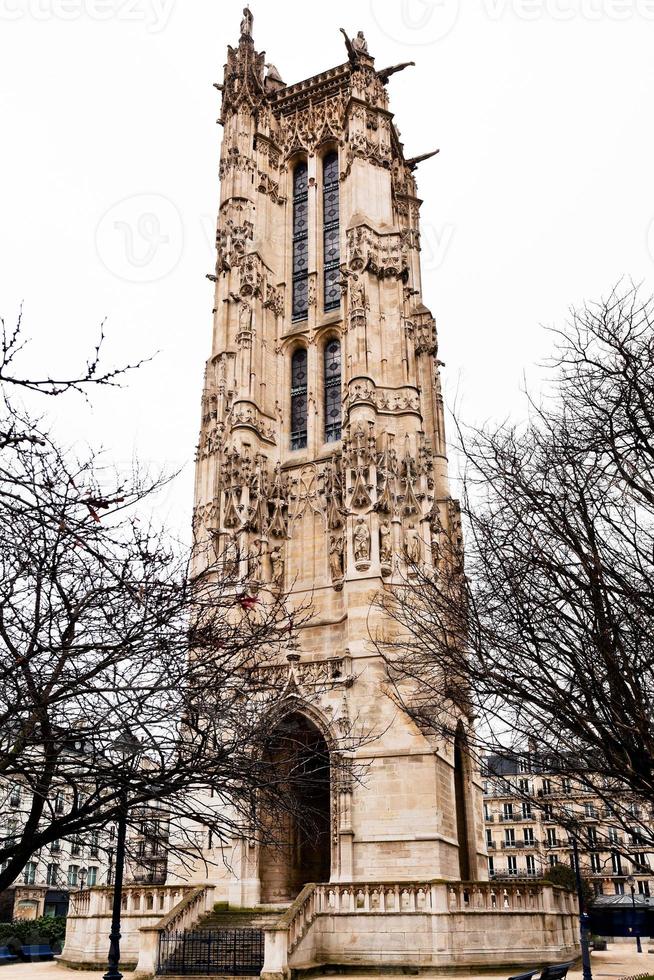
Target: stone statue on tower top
247 23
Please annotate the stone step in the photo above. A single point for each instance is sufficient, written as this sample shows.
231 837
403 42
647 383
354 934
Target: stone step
230 919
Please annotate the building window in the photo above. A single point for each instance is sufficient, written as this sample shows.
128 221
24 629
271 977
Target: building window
73 870
95 844
524 786
491 868
52 874
489 838
299 399
566 786
76 847
92 877
616 864
547 787
590 810
512 864
528 834
553 860
29 874
59 802
595 862
526 811
300 242
592 836
643 888
487 813
509 837
531 864
331 246
613 835
508 811
14 795
548 812
551 837
619 887
640 860
332 362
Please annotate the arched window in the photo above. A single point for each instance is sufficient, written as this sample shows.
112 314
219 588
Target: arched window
300 242
299 399
332 376
331 247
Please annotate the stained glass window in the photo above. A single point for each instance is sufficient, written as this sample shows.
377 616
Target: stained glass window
299 399
331 245
300 242
332 361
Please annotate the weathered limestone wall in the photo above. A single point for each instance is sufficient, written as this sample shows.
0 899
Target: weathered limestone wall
441 941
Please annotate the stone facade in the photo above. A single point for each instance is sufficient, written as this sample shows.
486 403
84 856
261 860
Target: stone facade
321 467
526 808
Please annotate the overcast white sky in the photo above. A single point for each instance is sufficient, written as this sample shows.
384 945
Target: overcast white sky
542 195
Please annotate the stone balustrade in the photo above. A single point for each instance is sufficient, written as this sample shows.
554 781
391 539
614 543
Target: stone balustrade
89 920
431 924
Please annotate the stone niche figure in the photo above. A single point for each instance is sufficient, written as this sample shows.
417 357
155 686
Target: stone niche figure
361 544
357 294
385 546
277 562
412 548
336 548
230 558
436 531
255 569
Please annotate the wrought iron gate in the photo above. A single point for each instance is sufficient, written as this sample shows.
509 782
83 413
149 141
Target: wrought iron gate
233 952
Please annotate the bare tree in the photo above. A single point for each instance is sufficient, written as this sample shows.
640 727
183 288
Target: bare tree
13 380
131 677
104 631
549 634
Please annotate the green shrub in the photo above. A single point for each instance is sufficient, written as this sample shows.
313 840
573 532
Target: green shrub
22 932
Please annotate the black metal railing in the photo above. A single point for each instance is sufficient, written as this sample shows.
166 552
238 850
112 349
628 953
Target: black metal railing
233 952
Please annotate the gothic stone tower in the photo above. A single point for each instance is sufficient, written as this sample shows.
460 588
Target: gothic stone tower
322 459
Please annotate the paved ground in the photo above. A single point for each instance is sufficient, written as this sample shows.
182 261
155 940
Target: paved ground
620 960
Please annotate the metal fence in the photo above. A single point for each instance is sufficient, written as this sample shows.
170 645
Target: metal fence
233 952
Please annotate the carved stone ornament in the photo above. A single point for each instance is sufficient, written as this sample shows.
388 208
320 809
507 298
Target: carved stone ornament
277 563
361 545
385 546
412 545
336 549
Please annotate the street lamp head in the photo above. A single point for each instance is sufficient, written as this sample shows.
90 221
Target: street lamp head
81 876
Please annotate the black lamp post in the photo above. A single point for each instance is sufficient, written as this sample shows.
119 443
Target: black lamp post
631 881
129 748
583 915
81 878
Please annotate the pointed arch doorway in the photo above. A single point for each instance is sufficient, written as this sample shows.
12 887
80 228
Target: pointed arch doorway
302 850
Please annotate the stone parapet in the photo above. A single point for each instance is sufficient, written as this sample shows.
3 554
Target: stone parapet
436 924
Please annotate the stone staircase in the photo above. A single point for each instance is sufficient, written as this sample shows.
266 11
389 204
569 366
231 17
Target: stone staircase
226 942
223 917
